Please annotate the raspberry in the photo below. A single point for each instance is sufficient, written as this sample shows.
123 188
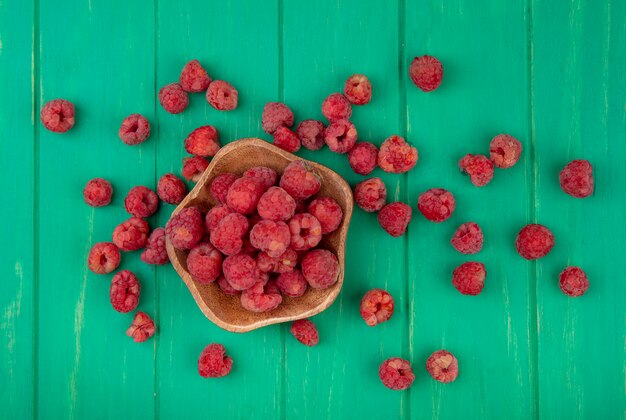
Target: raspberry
311 134
226 287
222 96
395 218
124 293
215 216
271 237
227 235
155 252
135 129
220 185
305 332
300 180
426 72
204 263
340 136
244 194
336 107
576 178
469 278
284 263
276 114
371 194
534 241
203 141
213 362
173 98
573 281
320 268
396 374
141 328
185 229
376 307
276 204
240 271
171 189
442 366
363 158
306 231
327 212
292 283
261 298
358 89
436 204
141 201
194 167
478 167
286 139
131 234
468 238
504 151
194 77
266 176
98 192
104 257
57 115
396 155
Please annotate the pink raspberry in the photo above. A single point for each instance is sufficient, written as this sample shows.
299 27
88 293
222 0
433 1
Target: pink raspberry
395 218
468 238
226 287
141 201
186 228
220 185
300 180
305 332
534 241
320 268
436 204
270 237
141 328
292 283
57 115
171 189
306 231
284 263
204 263
135 129
363 158
155 252
328 212
311 134
442 366
228 235
371 194
396 374
261 298
203 141
104 257
194 77
244 194
576 179
336 107
124 292
426 72
131 234
240 271
276 204
213 362
98 192
478 167
222 95
215 216
194 167
376 307
358 89
469 278
173 98
286 139
504 151
396 155
340 136
276 114
263 174
573 281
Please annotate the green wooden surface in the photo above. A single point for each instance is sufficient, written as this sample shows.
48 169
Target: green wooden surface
550 73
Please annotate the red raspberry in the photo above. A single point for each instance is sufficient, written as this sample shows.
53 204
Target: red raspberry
311 134
286 139
436 204
504 151
244 194
276 204
468 238
292 283
222 95
363 158
229 232
396 155
155 252
220 185
213 362
263 174
261 298
336 107
204 263
57 115
340 136
320 268
173 98
376 307
194 77
469 278
194 167
271 237
426 72
98 192
171 189
305 332
534 241
576 178
141 328
396 374
371 194
442 366
300 180
328 212
104 257
276 114
141 201
240 271
573 281
186 228
226 287
306 231
478 167
395 218
358 89
203 141
135 129
131 234
124 293
215 216
282 264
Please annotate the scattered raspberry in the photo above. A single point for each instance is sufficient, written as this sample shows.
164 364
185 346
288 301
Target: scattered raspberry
220 185
155 252
124 293
436 204
185 229
376 307
286 139
226 287
396 155
244 194
363 158
271 237
228 235
141 201
300 180
204 263
104 257
171 189
57 115
194 167
306 231
576 178
534 241
328 212
276 204
261 298
468 238
173 98
442 366
320 268
336 107
292 283
573 281
396 374
131 234
504 151
203 141
215 216
213 362
194 77
141 328
469 278
478 167
222 96
240 271
98 192
305 332
276 114
395 218
371 194
340 136
282 264
263 174
311 134
426 72
135 129
358 89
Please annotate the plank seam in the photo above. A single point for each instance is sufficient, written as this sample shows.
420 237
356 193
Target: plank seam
36 91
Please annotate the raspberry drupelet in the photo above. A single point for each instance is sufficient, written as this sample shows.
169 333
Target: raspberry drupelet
426 72
328 212
141 201
155 251
443 366
306 231
215 216
363 158
336 107
228 235
194 78
104 257
141 328
396 373
396 155
371 194
194 167
222 95
468 238
305 331
261 297
124 292
311 134
244 194
186 228
320 268
57 115
276 204
376 307
98 192
171 189
240 271
340 136
213 362
131 234
436 204
469 278
394 218
573 281
271 237
286 139
204 263
292 283
173 98
203 141
504 151
135 129
300 180
282 264
266 176
276 114
220 185
478 167
576 179
358 89
534 241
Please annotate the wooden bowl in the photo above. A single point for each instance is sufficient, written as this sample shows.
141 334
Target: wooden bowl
226 311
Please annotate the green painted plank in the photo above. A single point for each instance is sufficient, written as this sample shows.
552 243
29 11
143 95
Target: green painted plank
579 113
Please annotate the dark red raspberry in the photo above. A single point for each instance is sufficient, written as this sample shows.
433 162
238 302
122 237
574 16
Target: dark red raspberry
261 298
468 238
478 167
328 212
371 194
263 174
442 366
276 114
306 231
363 158
155 252
98 192
276 204
141 328
270 237
573 281
186 228
396 374
244 194
228 235
204 263
576 178
131 234
194 77
504 151
173 98
203 141
57 115
336 107
395 218
358 89
320 268
222 95
340 136
226 287
194 167
469 278
311 134
396 155
534 241
213 362
221 184
426 72
292 283
104 257
215 216
124 293
376 307
135 129
171 189
436 204
286 139
141 201
240 271
305 332
282 264
300 180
